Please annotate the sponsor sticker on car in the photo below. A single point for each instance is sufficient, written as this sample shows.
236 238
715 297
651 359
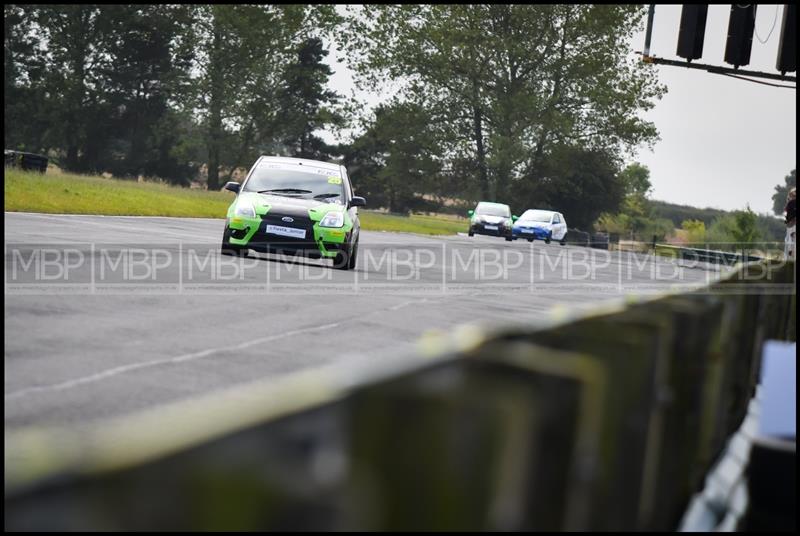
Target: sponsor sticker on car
490 227
286 231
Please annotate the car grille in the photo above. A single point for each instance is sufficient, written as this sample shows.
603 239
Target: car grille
499 230
299 222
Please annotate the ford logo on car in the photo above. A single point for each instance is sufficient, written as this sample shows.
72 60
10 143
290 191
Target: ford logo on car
287 219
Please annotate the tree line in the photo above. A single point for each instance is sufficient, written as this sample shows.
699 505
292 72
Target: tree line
163 90
533 105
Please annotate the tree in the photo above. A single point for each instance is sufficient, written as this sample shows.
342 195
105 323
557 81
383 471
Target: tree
695 231
154 89
241 51
735 230
396 158
77 39
745 230
511 83
579 183
305 104
637 207
637 217
152 58
24 103
782 191
636 178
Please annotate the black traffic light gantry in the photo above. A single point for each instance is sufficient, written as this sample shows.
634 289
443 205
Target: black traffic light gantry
787 46
692 31
741 24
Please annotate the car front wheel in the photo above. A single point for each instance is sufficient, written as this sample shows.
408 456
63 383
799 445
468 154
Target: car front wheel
346 260
352 262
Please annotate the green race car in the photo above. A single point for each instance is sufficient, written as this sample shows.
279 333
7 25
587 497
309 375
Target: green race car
296 206
493 219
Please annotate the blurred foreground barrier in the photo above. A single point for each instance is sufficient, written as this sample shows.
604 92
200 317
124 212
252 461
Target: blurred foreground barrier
606 421
753 485
26 161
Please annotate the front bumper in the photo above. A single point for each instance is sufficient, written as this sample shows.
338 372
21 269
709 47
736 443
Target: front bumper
317 242
480 228
531 232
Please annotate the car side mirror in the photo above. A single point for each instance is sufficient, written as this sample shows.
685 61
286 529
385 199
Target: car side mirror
514 218
233 187
358 201
470 213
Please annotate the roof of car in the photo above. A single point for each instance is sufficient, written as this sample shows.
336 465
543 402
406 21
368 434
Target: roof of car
542 210
492 203
300 161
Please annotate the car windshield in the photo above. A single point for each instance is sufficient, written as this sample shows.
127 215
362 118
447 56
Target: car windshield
292 180
537 216
493 210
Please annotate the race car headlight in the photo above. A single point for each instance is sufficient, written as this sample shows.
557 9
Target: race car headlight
245 208
332 219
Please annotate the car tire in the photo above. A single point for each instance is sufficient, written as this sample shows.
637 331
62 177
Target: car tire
563 241
340 261
549 237
231 249
508 239
351 263
530 239
345 260
470 233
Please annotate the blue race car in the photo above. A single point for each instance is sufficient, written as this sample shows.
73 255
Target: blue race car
541 224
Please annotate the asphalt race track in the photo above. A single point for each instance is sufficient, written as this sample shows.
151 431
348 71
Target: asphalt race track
109 315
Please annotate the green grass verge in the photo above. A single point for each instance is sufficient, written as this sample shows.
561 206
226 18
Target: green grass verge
64 193
429 225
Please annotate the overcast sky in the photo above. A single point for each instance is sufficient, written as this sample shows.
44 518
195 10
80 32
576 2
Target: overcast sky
724 142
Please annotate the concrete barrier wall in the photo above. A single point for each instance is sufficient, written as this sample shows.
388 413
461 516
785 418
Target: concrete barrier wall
607 421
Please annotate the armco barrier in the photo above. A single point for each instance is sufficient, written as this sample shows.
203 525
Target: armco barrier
601 422
600 241
577 237
703 255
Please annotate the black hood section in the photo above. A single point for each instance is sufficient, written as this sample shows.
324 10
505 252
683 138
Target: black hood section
288 206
